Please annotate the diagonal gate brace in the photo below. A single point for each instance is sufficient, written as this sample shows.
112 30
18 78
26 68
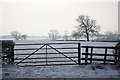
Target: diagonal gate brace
30 54
62 54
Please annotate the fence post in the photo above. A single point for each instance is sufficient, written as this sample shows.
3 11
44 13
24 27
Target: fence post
118 59
115 59
86 57
46 54
12 54
105 55
79 54
91 55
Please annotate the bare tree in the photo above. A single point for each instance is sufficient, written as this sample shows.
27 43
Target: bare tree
86 27
23 37
53 35
65 36
16 35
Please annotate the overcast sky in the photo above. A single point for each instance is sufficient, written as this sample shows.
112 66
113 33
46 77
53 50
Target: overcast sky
38 17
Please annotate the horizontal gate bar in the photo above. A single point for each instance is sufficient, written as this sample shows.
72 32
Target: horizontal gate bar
44 44
43 58
45 48
95 59
98 47
47 65
48 53
99 54
45 61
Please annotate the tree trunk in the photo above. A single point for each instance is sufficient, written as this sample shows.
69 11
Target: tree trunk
87 36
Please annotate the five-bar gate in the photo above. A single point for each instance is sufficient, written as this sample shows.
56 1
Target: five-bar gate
47 54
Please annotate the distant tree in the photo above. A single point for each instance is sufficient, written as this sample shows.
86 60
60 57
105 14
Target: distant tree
86 27
16 35
53 35
23 37
76 35
65 36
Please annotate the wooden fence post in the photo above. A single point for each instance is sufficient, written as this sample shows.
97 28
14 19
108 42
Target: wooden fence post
115 59
86 57
79 54
91 55
105 55
12 55
119 59
46 54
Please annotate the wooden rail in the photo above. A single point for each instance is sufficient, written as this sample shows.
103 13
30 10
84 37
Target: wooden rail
44 44
104 54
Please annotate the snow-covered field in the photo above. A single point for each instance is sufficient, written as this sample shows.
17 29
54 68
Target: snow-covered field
68 71
82 43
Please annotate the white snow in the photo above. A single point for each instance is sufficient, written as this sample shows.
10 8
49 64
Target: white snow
74 71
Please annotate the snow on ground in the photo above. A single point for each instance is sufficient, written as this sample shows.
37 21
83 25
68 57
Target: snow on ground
74 71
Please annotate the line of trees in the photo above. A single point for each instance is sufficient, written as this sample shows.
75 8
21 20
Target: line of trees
54 35
109 36
87 29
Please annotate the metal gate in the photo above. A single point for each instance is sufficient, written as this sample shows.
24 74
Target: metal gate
47 54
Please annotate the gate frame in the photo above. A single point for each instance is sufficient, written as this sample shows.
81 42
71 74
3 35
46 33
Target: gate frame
48 44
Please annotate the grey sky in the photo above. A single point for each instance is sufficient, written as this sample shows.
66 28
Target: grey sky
39 17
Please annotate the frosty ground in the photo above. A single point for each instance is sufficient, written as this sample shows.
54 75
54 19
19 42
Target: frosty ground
68 71
74 71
